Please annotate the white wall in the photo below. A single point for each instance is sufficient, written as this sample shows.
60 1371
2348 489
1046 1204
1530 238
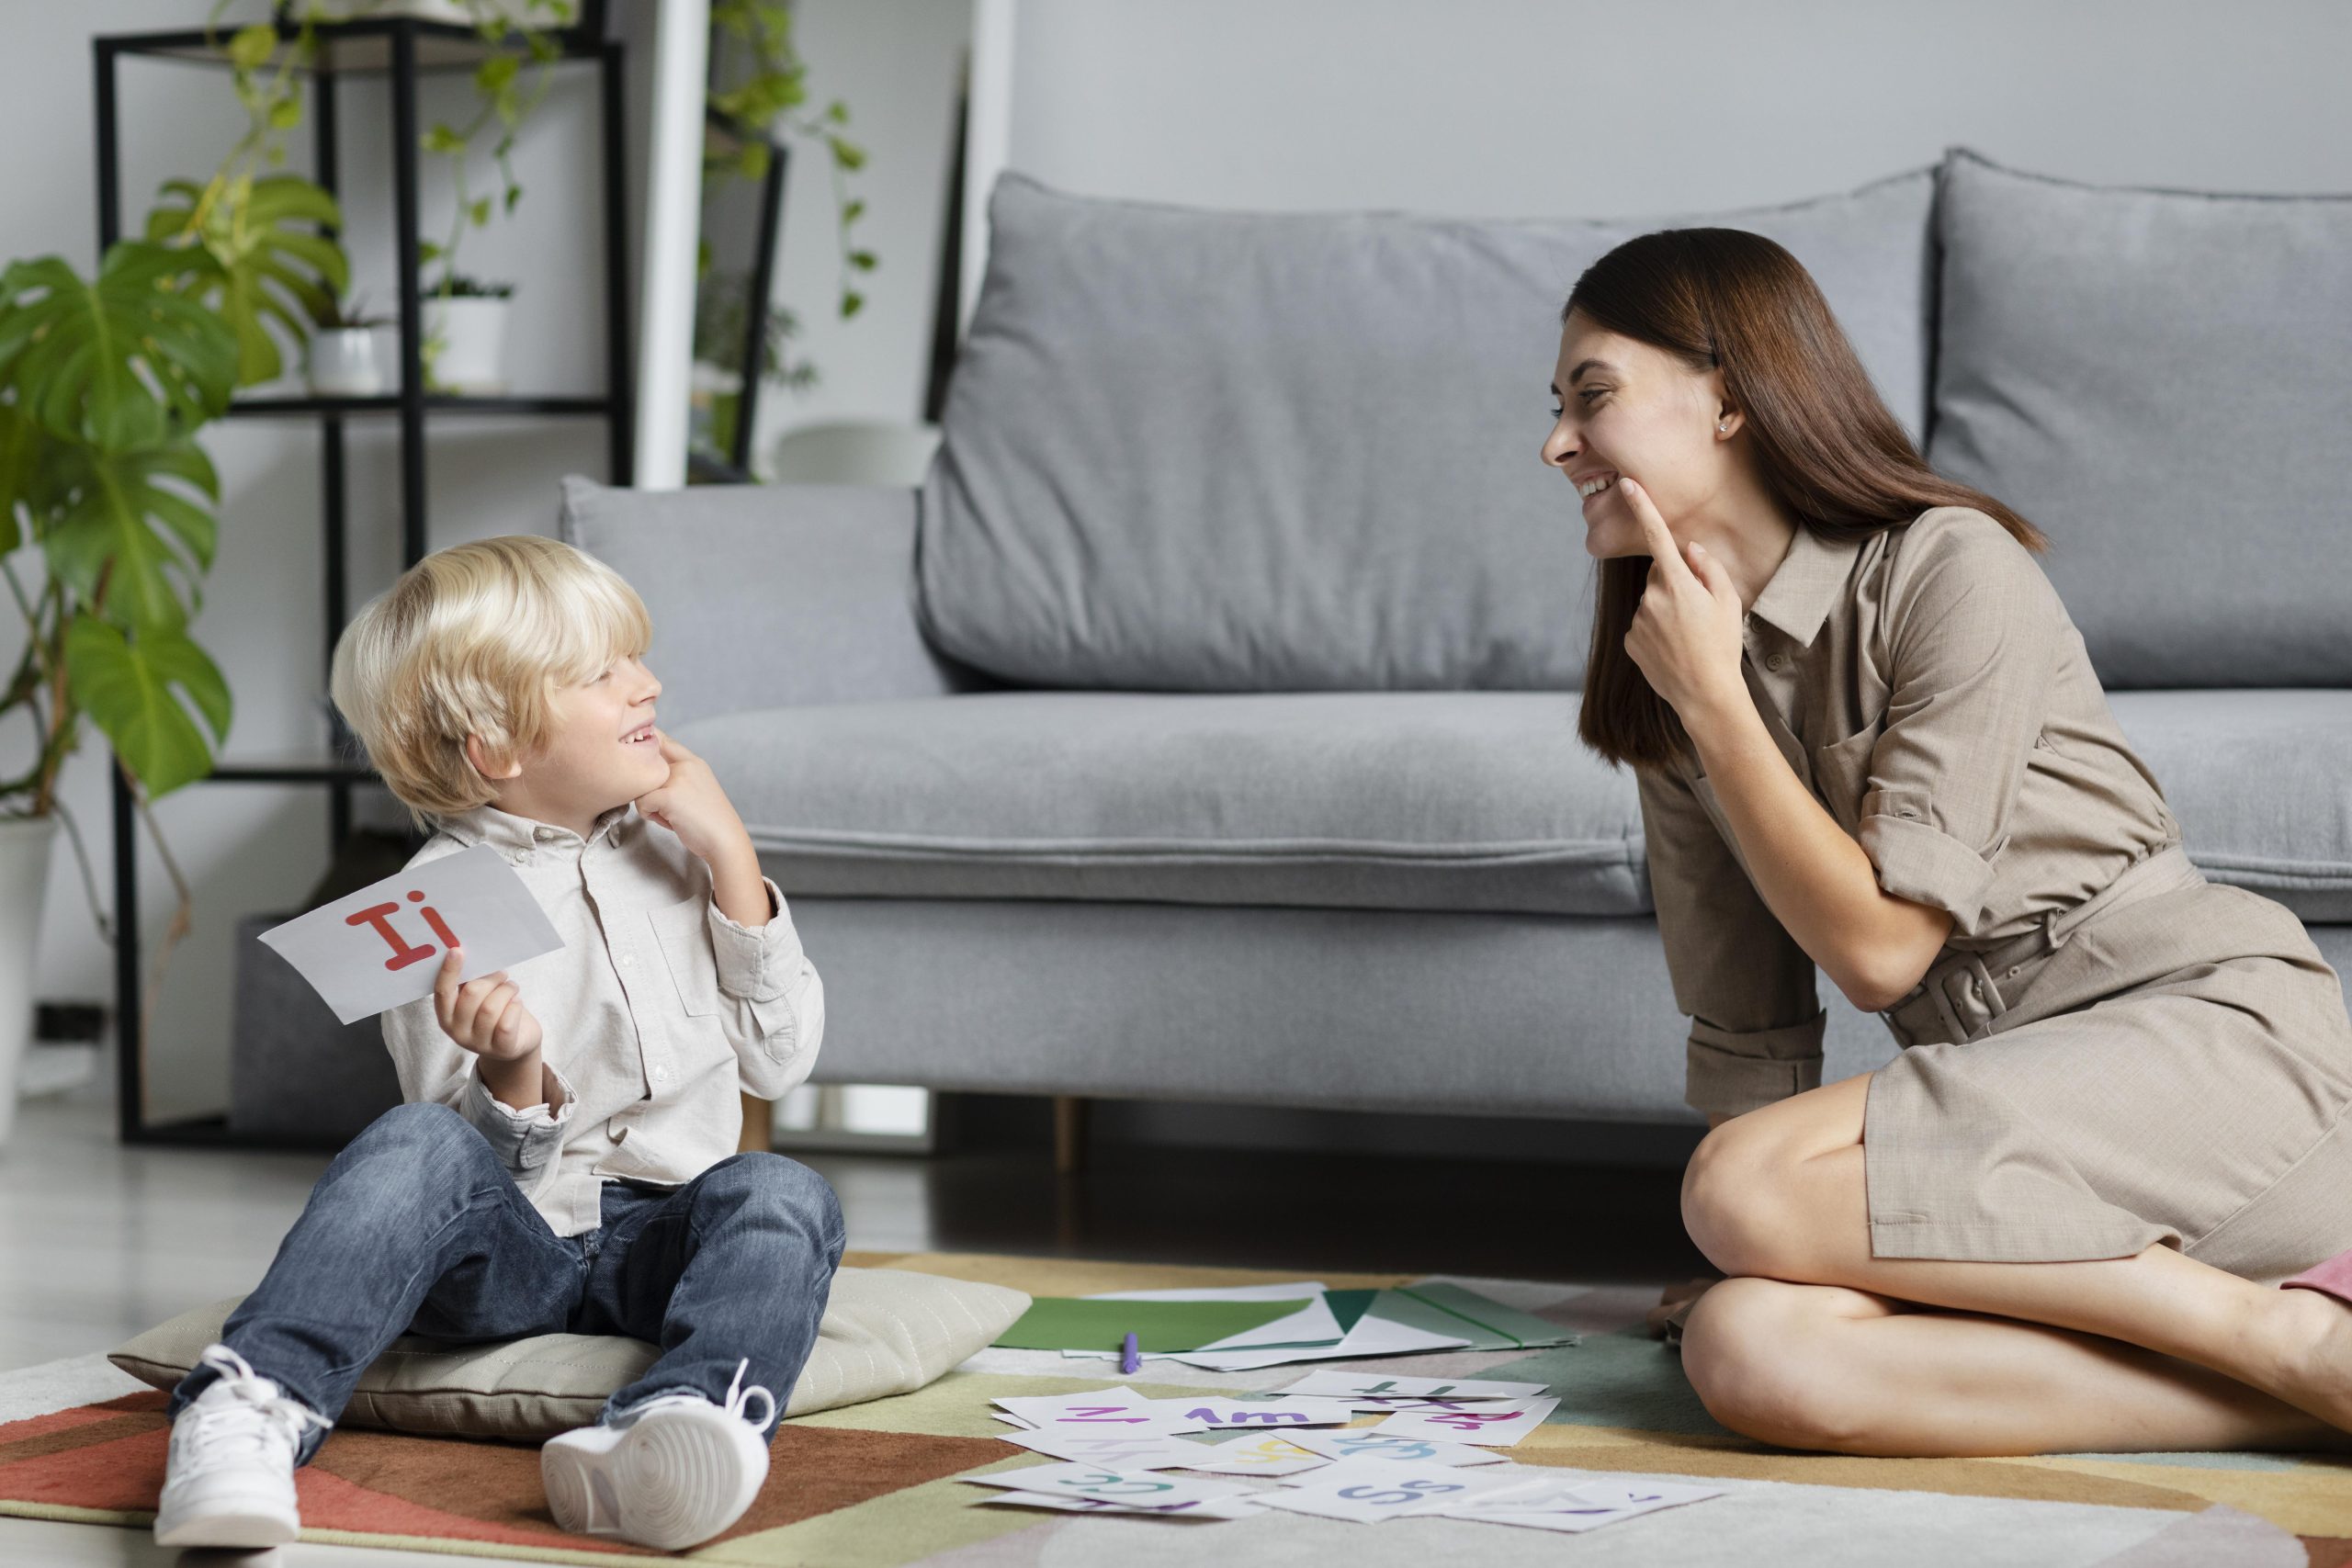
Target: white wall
897 64
1600 108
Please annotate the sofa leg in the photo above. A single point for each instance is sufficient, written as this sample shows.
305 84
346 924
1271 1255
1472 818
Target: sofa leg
759 1124
1069 1134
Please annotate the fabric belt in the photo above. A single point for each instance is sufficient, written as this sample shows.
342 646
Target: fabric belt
1961 997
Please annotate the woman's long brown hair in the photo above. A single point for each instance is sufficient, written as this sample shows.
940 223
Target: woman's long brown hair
1829 450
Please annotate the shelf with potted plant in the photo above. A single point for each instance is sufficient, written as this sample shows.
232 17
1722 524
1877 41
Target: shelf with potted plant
510 48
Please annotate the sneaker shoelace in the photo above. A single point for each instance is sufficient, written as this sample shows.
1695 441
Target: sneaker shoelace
738 1398
250 1420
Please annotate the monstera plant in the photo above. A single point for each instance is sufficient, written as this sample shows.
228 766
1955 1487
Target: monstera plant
107 522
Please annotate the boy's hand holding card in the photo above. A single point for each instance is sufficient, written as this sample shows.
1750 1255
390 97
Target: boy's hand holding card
387 943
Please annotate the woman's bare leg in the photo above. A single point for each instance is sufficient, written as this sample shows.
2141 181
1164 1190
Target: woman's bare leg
1825 1367
1778 1194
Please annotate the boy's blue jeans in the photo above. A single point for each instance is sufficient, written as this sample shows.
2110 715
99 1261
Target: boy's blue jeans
416 1227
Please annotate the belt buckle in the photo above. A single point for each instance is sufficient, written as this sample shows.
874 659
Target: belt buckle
1970 967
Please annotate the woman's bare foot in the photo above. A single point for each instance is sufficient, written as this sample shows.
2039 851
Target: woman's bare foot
2304 1338
1674 1304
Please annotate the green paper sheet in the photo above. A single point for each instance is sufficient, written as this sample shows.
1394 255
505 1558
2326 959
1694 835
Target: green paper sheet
1073 1323
1465 1315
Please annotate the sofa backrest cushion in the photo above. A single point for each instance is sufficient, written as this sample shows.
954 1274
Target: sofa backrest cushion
2157 379
1191 450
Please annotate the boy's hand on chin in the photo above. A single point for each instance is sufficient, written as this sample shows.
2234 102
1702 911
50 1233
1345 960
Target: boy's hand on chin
486 1015
691 804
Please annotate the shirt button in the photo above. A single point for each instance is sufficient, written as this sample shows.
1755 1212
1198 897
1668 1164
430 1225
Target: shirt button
1778 661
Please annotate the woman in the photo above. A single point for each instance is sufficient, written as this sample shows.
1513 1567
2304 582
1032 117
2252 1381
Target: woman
1867 737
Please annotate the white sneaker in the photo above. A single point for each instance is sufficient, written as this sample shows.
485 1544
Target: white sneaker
230 1478
676 1471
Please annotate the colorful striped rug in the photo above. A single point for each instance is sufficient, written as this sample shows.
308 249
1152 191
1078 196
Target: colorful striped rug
866 1486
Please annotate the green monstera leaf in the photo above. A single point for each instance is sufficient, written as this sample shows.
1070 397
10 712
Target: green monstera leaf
121 361
266 257
124 525
126 685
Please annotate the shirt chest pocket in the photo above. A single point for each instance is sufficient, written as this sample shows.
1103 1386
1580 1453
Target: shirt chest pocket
1842 771
683 933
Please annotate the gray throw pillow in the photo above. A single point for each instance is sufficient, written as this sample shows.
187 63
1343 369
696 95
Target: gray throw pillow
2157 379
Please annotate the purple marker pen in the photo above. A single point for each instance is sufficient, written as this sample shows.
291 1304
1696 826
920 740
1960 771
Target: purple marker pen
1130 1356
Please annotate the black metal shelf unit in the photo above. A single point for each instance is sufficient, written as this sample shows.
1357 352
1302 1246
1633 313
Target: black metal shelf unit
400 50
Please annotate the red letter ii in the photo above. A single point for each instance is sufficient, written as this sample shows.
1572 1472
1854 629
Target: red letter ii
379 916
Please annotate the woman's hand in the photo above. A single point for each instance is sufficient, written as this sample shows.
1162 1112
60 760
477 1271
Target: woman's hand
1686 631
1674 1303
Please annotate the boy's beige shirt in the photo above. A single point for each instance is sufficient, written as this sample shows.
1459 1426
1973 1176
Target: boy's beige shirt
657 1012
1928 685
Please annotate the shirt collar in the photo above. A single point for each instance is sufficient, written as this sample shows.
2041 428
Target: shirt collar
1808 580
504 830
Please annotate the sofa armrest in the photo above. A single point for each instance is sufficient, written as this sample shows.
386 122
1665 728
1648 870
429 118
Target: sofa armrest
768 595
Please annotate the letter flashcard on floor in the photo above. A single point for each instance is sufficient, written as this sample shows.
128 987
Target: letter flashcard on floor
383 945
1576 1506
1250 1456
1365 1491
1122 1488
1375 1445
1497 1423
1371 1385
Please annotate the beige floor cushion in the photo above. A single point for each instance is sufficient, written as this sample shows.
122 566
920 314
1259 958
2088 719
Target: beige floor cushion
886 1331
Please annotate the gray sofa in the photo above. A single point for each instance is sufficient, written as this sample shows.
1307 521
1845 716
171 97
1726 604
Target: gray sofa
1204 727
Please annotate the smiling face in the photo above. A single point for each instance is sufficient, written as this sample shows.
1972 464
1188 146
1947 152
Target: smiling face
1627 408
603 752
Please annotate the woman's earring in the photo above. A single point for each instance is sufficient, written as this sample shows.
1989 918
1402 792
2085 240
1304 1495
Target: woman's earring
1723 424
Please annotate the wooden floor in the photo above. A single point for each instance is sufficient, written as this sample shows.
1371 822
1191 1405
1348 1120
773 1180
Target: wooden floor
98 1242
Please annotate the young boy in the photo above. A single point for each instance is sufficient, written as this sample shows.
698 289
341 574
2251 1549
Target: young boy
565 1162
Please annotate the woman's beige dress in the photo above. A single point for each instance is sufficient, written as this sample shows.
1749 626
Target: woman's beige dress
2177 1068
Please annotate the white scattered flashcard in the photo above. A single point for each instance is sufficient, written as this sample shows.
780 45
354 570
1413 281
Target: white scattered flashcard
1213 1509
1574 1507
1128 1488
1368 1491
1310 1324
1330 1385
1376 1445
1371 1336
383 945
1491 1422
1118 1409
1268 1455
1218 1413
1111 1451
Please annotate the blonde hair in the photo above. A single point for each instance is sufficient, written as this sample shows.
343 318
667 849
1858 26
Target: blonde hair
475 640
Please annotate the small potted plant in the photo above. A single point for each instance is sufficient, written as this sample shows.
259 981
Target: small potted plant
465 332
343 362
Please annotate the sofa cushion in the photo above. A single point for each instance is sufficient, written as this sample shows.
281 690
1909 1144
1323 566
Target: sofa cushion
1192 450
1432 800
2157 379
885 1331
2262 783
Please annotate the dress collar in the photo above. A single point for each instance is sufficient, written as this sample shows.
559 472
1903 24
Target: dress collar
1808 580
504 830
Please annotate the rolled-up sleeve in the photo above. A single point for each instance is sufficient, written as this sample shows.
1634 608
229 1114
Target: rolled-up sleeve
1973 635
433 1068
1749 990
775 1016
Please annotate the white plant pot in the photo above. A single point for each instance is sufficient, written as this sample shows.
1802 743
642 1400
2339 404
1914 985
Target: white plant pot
472 333
24 879
344 363
422 10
